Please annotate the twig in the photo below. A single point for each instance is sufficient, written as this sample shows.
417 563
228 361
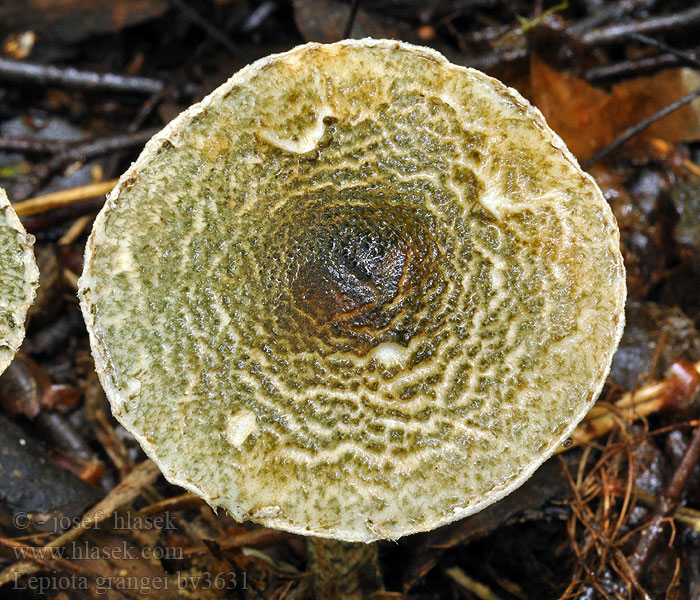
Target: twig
596 495
666 151
677 390
656 358
496 58
71 279
666 505
611 11
351 18
96 147
62 434
382 595
620 32
40 204
146 109
256 537
472 586
95 416
112 163
48 75
626 68
257 16
682 514
212 30
173 503
625 569
143 474
49 226
630 132
17 570
31 146
75 230
683 56
42 556
539 17
671 57
484 36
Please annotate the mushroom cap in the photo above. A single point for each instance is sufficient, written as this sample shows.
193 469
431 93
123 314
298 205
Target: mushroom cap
19 279
357 292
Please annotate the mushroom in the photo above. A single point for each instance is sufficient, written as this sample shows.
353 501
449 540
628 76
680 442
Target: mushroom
19 279
356 293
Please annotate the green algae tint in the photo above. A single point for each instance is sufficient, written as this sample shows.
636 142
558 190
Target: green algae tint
361 303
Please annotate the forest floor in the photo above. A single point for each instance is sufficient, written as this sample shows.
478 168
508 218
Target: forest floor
85 83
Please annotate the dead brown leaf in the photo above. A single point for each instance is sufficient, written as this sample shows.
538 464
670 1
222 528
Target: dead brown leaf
587 117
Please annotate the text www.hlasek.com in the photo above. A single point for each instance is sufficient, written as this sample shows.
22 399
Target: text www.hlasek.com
83 551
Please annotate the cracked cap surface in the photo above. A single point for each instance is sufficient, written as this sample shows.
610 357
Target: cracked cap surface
357 292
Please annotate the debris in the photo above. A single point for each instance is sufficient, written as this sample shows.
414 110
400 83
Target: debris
41 494
83 82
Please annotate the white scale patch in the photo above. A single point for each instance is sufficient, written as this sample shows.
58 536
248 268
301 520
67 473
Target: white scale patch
391 354
240 426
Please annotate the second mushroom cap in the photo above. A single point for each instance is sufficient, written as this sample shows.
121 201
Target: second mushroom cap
19 279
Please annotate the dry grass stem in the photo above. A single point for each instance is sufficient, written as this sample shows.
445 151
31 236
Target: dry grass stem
605 417
40 204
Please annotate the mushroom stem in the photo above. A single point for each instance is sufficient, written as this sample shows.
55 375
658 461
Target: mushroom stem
347 570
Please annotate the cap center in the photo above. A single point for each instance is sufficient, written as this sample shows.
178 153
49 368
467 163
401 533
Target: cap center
349 272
